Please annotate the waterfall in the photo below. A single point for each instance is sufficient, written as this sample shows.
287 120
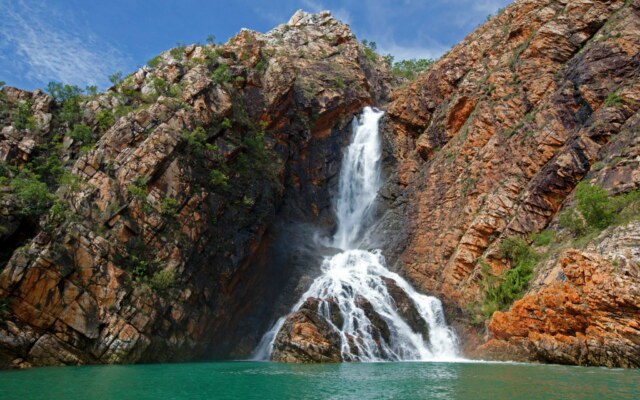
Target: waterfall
359 180
378 314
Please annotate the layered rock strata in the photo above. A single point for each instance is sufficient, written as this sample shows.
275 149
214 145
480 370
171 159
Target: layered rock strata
164 251
491 142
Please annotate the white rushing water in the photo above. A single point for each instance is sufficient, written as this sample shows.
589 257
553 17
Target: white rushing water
356 274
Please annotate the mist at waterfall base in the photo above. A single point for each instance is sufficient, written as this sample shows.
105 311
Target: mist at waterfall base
355 277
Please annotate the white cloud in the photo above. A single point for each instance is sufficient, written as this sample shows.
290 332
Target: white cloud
476 11
401 52
486 7
342 14
313 6
381 17
385 21
50 46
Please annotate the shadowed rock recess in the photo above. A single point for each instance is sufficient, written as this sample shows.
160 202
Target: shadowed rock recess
178 226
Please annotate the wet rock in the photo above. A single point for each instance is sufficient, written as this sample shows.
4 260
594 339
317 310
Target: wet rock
307 337
334 310
380 328
407 308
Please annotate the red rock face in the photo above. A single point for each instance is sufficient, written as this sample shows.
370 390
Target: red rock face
491 141
586 314
223 132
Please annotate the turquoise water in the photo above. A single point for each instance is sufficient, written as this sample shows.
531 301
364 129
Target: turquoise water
256 380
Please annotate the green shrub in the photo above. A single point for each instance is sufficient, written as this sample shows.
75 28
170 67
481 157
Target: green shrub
261 65
122 111
543 238
594 204
105 120
255 143
62 93
248 201
69 97
58 213
218 178
138 193
139 269
91 90
33 195
210 55
137 189
226 123
169 207
596 210
196 140
500 294
23 117
410 69
155 61
160 85
221 74
175 90
48 166
69 182
81 133
163 279
572 221
369 49
116 78
178 51
339 82
613 100
71 111
626 206
517 250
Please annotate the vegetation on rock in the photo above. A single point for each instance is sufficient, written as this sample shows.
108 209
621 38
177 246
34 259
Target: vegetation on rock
596 209
502 291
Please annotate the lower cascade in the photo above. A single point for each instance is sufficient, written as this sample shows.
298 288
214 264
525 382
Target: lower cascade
358 310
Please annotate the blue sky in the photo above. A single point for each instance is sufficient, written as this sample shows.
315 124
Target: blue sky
82 42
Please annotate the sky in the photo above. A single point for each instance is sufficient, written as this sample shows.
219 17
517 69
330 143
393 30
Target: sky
83 42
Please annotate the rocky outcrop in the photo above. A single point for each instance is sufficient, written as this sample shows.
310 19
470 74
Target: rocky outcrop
407 309
491 141
161 244
584 312
307 337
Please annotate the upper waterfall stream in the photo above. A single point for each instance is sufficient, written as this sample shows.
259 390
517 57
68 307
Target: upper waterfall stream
381 317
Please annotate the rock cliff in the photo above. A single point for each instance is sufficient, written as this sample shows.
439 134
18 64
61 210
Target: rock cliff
490 144
142 224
